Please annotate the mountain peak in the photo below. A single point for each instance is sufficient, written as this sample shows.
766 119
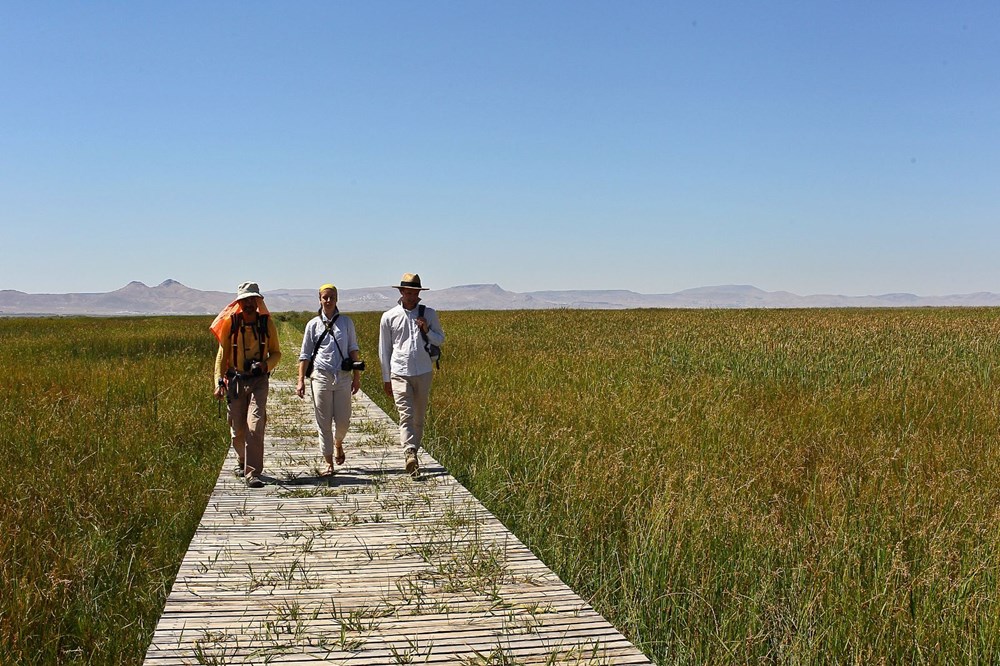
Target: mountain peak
725 289
169 283
494 287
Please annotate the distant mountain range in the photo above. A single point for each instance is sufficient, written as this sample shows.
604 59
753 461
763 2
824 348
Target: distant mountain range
172 297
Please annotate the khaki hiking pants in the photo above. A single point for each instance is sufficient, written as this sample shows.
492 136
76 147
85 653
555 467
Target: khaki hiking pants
247 418
412 394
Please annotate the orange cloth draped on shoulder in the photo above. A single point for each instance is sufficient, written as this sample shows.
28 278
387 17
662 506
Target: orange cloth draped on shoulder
228 311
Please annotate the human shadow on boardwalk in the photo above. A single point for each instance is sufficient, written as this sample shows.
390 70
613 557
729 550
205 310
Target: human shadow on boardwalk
339 479
427 473
355 477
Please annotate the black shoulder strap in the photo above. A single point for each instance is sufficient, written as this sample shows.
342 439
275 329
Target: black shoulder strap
427 341
235 324
262 329
421 309
327 328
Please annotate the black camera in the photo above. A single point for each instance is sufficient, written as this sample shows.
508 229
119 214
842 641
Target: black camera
253 368
348 364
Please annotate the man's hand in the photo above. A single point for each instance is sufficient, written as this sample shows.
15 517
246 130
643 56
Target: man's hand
422 324
219 392
300 387
356 382
387 387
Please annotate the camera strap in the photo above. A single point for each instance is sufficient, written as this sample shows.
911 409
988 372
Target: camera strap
339 350
328 328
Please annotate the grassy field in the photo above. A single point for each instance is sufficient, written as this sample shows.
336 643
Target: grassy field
727 487
730 487
111 444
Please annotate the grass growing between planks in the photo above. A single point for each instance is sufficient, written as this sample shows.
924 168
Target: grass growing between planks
111 445
804 487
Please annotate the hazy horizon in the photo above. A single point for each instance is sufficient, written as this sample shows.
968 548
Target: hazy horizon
168 281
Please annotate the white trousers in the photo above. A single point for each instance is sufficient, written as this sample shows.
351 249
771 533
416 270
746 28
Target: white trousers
331 394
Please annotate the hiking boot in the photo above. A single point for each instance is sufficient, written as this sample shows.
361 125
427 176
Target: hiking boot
238 470
412 466
254 481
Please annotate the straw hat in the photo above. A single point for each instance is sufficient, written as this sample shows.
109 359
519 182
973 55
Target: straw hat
411 281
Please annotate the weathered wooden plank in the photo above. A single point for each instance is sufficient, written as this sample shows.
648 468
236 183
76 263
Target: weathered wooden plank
365 567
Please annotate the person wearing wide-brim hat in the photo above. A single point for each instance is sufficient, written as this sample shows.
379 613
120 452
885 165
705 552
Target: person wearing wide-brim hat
330 359
407 334
248 352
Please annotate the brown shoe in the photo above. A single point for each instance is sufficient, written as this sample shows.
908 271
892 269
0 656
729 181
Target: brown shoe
412 466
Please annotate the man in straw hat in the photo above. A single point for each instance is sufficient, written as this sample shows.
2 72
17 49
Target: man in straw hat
248 352
406 333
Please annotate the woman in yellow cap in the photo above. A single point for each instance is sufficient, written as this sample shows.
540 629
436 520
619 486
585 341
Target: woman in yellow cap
331 360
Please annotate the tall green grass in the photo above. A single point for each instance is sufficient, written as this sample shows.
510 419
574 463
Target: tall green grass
803 487
726 486
110 444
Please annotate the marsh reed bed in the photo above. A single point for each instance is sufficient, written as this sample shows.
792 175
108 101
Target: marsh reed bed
742 486
802 487
110 445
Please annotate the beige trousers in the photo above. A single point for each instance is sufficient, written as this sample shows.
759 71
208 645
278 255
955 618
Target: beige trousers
412 394
331 394
247 418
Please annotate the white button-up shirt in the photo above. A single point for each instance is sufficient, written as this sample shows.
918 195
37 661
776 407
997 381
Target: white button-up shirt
400 345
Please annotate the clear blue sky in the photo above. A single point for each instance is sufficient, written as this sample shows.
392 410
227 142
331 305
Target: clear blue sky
814 147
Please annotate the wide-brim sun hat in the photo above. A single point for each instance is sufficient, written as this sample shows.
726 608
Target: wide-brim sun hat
411 281
248 290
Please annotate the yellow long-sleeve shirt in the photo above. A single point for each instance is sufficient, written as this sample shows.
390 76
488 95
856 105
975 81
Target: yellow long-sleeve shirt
247 347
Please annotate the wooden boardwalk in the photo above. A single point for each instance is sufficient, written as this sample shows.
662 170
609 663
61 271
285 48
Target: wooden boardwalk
366 567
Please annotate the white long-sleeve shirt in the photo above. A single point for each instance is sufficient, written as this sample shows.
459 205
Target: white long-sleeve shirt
400 345
336 345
